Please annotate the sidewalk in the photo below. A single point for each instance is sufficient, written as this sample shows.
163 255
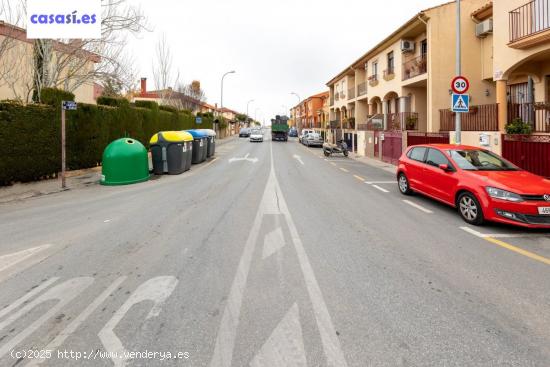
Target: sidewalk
375 163
75 180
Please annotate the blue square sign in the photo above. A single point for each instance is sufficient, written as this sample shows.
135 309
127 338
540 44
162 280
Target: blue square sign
460 103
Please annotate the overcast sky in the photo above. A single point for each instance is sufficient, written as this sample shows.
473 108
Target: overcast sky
275 47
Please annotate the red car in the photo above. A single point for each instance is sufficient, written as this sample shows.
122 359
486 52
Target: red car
482 185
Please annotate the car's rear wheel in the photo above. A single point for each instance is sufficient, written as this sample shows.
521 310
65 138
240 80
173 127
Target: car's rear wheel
403 184
469 209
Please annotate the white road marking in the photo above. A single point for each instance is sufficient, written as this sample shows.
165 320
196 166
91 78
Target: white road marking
273 242
417 206
106 221
504 235
71 328
157 290
273 202
9 260
285 346
245 158
380 188
297 157
379 182
27 296
64 293
359 178
343 169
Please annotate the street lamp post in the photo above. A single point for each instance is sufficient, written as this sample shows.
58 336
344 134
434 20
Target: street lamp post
221 94
247 103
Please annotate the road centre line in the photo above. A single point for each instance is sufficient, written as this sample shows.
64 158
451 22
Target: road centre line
359 178
343 169
380 188
417 206
493 240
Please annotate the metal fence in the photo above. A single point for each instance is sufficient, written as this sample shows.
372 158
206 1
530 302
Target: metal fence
480 118
536 114
528 19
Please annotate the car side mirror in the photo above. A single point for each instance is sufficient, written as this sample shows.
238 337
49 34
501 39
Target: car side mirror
444 167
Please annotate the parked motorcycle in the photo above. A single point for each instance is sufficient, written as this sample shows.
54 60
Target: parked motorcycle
339 148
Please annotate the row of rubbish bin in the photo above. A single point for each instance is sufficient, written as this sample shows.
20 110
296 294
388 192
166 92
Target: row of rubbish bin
173 152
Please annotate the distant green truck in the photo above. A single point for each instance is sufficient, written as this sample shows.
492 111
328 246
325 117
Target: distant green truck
279 128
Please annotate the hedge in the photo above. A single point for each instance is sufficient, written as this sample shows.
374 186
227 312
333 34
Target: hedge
30 135
112 101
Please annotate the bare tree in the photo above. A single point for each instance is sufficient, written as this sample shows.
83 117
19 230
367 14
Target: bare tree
192 95
163 74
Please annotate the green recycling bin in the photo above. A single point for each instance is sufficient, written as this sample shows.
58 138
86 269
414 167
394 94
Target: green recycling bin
124 162
171 152
199 146
211 139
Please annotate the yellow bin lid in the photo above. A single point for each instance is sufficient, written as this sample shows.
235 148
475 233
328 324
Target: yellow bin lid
171 136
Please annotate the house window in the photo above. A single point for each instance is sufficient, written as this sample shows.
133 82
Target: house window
423 48
390 63
375 68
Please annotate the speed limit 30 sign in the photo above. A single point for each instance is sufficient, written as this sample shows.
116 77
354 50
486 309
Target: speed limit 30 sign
460 85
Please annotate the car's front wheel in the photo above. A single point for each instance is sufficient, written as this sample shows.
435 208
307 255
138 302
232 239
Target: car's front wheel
403 184
469 209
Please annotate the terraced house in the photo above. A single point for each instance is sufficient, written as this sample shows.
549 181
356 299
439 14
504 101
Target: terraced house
398 93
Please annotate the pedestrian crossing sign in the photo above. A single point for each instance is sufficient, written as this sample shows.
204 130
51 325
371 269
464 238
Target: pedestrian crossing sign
460 103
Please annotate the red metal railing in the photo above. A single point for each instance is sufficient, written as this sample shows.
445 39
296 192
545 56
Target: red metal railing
529 19
529 152
536 114
480 118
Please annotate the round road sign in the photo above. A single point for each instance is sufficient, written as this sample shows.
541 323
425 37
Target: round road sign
460 85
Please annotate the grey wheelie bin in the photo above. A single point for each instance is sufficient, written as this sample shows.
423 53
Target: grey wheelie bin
211 141
171 152
200 146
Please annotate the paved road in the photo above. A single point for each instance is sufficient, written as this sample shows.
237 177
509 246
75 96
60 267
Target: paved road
290 260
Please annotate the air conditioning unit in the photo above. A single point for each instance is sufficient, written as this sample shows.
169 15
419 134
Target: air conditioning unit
407 46
484 28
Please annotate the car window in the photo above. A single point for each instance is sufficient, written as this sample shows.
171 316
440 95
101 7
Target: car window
435 158
477 159
417 154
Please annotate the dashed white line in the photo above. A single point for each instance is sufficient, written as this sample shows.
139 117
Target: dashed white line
380 188
359 178
379 182
417 206
343 169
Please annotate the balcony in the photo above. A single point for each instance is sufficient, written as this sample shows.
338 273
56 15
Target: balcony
529 24
362 89
535 114
480 118
351 93
402 121
373 80
415 67
389 74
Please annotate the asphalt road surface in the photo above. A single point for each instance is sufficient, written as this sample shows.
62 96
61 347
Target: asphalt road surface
270 255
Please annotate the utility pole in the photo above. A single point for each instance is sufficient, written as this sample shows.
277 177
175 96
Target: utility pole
247 103
458 127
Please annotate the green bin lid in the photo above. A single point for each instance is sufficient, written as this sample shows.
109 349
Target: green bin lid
125 161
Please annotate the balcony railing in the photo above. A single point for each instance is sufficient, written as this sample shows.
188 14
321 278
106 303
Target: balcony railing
480 118
351 93
415 67
362 89
337 96
402 121
535 114
389 74
331 103
529 19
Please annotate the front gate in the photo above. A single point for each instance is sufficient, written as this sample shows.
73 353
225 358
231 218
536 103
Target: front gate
530 152
392 146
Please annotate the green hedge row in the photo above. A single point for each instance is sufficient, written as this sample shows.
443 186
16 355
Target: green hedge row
30 147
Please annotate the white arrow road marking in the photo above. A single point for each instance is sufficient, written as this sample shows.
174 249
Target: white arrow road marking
273 242
245 158
71 328
273 202
9 260
285 346
297 157
63 292
157 290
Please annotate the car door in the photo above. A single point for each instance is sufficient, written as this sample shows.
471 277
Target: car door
439 183
415 167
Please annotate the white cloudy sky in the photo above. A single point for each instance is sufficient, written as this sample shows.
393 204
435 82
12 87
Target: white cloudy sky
276 47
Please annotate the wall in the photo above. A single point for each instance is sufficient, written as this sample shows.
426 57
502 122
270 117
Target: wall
472 138
442 55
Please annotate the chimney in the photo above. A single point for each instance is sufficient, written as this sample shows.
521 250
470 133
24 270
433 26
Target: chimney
143 85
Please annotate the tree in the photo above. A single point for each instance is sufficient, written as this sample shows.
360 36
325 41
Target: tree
164 75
